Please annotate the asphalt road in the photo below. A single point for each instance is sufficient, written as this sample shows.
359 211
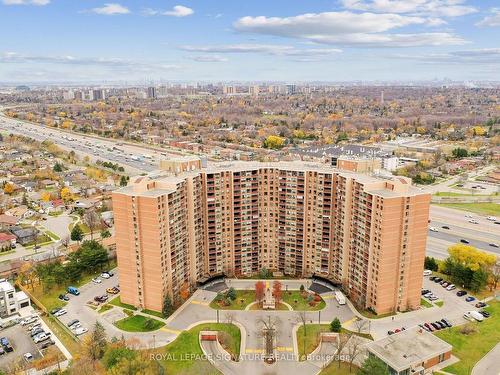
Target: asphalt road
134 159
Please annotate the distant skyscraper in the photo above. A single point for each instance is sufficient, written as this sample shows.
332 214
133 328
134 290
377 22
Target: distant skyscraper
254 90
382 97
68 95
97 94
229 90
291 89
151 92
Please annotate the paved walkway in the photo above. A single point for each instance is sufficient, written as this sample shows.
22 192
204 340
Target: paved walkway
489 364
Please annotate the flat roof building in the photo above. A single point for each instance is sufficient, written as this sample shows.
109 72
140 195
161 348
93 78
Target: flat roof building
413 351
188 223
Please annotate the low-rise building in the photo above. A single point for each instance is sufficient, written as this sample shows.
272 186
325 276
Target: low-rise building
25 235
10 300
412 351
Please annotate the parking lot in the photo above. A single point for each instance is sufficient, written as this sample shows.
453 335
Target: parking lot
19 338
77 305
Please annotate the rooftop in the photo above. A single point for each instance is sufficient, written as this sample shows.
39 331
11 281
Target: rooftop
407 348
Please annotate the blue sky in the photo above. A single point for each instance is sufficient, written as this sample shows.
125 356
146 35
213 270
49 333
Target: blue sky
224 40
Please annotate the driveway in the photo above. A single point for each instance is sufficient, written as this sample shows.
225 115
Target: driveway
57 224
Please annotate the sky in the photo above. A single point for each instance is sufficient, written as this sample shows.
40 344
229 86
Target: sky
255 40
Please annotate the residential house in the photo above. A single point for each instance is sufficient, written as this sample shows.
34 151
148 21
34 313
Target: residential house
25 235
8 221
10 300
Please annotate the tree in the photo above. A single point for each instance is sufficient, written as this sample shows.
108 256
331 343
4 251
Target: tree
123 181
76 233
105 234
277 291
115 353
335 325
459 152
93 221
260 290
167 308
470 257
274 142
94 345
57 168
231 294
354 348
8 188
342 137
373 366
430 264
66 194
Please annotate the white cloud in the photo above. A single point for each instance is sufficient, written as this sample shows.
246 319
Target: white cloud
348 28
482 56
492 20
110 9
179 11
210 58
439 8
26 2
269 49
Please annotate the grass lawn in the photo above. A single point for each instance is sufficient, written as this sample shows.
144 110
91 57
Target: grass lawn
152 312
478 208
7 252
279 306
453 194
54 236
116 301
424 303
49 298
187 344
334 369
138 323
84 227
243 298
69 342
294 295
472 347
104 308
439 303
312 336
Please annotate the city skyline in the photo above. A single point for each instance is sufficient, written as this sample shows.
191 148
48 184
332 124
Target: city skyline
278 41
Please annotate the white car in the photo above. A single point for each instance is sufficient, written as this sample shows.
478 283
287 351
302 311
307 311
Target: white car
473 315
80 331
472 221
29 320
450 287
28 357
491 218
469 216
105 275
41 337
433 229
96 280
427 272
75 326
61 312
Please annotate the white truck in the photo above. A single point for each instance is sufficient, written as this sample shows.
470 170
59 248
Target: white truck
340 297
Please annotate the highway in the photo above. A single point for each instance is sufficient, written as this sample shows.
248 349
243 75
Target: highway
479 235
135 159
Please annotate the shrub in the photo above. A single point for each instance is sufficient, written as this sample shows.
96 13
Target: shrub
335 325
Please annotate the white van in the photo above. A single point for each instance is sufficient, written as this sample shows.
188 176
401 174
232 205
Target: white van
340 297
473 315
427 272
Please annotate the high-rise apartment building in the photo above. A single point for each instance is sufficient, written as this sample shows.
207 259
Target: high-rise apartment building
188 223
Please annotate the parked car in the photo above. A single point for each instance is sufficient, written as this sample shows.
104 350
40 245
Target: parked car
436 327
480 304
425 291
36 331
74 321
451 287
424 327
438 280
61 312
46 344
447 323
491 218
53 311
429 327
472 221
29 320
461 293
433 229
28 357
112 290
486 314
390 333
42 337
76 326
96 280
445 284
80 331
73 290
8 348
445 227
473 315
427 272
432 278
494 245
469 299
63 297
4 341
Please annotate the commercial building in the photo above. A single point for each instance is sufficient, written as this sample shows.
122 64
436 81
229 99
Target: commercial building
191 222
413 351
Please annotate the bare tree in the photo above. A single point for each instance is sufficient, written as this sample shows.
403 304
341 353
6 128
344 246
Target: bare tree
354 349
229 317
93 220
342 340
361 325
302 319
65 241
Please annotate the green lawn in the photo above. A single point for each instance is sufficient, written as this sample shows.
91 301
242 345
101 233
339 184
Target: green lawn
478 208
334 369
117 302
104 308
295 299
312 336
139 323
243 298
279 306
439 303
424 303
152 312
453 194
187 344
472 347
66 338
54 236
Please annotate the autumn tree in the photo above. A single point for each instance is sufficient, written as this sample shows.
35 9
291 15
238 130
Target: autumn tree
277 291
66 195
93 221
274 142
184 291
260 290
8 188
